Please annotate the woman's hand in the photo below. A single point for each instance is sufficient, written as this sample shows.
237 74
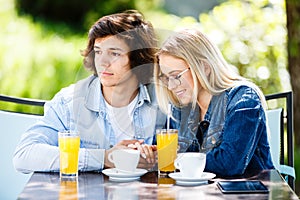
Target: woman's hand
148 154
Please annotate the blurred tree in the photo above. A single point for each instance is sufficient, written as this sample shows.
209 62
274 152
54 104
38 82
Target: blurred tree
252 37
73 13
293 25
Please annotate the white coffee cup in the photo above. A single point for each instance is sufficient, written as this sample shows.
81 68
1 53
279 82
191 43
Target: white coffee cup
191 165
125 159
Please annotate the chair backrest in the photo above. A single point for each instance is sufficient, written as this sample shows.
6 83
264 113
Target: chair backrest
274 123
12 126
280 122
6 101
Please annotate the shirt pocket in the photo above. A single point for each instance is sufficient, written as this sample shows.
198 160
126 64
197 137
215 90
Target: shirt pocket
89 144
212 139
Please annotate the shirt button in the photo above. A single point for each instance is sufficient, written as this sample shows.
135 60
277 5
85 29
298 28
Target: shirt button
213 140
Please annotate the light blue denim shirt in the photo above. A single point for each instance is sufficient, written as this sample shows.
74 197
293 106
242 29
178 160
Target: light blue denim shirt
235 136
81 107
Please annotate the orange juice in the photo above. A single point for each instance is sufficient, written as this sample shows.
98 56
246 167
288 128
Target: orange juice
69 149
167 142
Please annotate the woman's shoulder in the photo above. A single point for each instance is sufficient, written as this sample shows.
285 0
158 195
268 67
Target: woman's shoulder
243 88
245 93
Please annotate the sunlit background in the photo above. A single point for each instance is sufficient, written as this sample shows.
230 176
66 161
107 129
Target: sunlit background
39 56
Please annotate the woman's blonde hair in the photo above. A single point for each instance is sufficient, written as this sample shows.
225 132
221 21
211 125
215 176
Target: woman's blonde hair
199 53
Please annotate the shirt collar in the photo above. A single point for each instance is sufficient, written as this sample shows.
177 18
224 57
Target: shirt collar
94 99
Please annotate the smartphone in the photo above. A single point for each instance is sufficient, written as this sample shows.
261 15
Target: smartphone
234 187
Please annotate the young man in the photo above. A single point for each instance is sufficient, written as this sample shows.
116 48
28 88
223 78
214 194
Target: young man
113 108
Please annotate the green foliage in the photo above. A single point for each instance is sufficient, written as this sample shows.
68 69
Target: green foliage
35 62
76 14
297 167
251 35
254 40
106 7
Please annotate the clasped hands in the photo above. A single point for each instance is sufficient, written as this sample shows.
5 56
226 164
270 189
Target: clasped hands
148 153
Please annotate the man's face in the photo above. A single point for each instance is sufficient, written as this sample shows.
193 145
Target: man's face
112 60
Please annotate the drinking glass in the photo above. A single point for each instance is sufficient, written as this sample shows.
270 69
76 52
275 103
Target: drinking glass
69 143
167 143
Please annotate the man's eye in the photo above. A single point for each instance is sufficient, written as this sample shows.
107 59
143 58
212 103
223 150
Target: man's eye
98 52
115 54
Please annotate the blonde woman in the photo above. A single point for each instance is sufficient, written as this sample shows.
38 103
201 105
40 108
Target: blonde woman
217 111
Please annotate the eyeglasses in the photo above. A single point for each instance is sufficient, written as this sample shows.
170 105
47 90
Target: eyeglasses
175 78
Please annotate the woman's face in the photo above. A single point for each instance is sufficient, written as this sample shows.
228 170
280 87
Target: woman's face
182 86
112 61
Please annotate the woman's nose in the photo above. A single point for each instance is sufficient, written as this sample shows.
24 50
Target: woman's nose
171 84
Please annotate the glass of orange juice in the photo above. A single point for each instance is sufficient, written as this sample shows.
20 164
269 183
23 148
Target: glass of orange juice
167 142
69 143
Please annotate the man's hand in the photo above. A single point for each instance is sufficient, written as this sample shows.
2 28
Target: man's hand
121 145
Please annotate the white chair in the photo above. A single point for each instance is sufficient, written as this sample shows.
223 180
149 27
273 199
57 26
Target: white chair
12 125
281 147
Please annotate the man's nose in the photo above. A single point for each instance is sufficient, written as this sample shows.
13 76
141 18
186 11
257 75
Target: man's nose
102 60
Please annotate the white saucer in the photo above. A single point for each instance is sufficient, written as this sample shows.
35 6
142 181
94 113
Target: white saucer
205 177
119 176
191 183
114 179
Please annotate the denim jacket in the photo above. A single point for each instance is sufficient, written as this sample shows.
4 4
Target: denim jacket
81 107
234 130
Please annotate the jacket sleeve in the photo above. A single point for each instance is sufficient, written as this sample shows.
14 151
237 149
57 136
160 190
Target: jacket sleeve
244 125
38 148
